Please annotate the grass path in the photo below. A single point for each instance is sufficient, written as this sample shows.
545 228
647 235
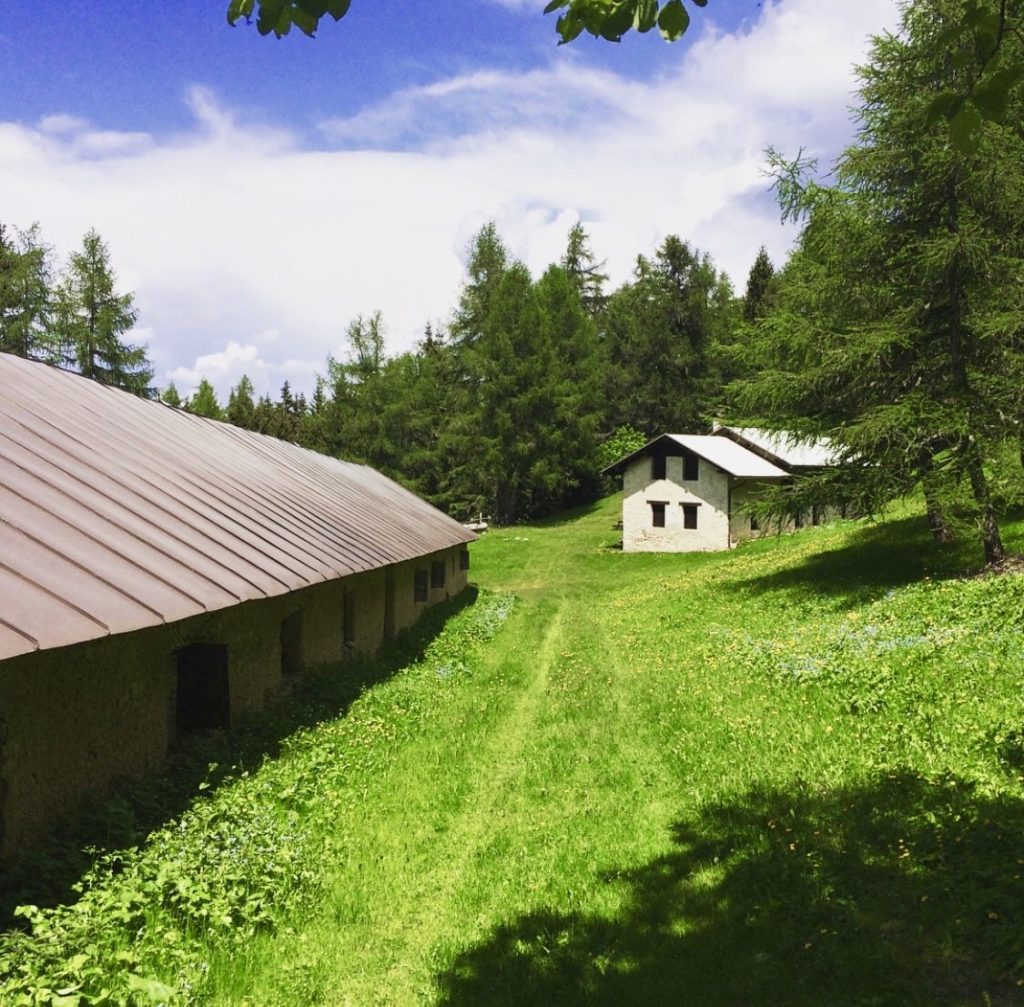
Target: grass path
633 797
792 774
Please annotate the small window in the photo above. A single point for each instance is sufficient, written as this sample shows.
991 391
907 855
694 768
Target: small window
691 468
464 559
348 625
657 515
202 697
291 644
815 516
690 515
754 526
437 573
419 585
798 519
658 467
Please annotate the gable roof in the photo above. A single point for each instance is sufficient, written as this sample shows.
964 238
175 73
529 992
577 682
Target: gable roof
784 448
727 455
118 513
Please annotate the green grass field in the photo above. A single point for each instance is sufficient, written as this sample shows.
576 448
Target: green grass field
791 774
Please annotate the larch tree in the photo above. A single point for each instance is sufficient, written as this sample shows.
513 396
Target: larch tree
204 402
26 298
584 271
91 319
171 395
901 333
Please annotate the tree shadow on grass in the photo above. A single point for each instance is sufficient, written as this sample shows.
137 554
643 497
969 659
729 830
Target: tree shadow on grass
901 892
875 558
130 810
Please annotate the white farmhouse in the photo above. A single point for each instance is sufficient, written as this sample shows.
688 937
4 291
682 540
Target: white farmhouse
688 492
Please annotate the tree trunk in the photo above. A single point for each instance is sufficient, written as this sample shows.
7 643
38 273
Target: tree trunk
995 552
941 531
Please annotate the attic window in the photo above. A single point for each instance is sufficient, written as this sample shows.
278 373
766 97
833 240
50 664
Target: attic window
658 467
657 515
691 468
420 582
690 515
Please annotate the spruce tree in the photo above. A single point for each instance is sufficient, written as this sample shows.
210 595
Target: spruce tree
92 318
241 405
761 287
661 331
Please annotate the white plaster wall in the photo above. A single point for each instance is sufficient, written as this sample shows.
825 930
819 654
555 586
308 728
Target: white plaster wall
710 491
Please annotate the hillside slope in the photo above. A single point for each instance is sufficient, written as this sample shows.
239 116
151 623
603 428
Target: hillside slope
790 774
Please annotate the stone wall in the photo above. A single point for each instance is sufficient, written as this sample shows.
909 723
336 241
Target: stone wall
710 492
73 719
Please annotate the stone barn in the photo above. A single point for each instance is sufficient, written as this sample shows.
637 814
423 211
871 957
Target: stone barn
162 574
682 492
689 492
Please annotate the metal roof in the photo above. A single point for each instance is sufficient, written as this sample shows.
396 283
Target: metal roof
785 447
118 513
729 456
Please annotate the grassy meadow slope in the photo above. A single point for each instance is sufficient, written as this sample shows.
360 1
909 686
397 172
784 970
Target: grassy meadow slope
791 774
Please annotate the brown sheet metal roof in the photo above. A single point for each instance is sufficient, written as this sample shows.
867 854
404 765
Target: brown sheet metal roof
117 513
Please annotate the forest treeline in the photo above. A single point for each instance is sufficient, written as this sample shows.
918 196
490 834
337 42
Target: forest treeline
514 406
895 329
510 410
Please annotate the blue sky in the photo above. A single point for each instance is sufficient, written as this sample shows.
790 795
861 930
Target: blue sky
257 193
126 65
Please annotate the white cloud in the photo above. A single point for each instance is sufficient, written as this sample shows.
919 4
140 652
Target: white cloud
250 252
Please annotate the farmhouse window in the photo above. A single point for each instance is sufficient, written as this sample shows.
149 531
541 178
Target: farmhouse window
419 585
348 619
437 573
658 467
291 644
657 515
202 697
691 468
464 559
690 515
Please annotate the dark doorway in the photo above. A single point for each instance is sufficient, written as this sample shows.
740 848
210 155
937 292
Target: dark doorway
389 603
202 696
291 644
